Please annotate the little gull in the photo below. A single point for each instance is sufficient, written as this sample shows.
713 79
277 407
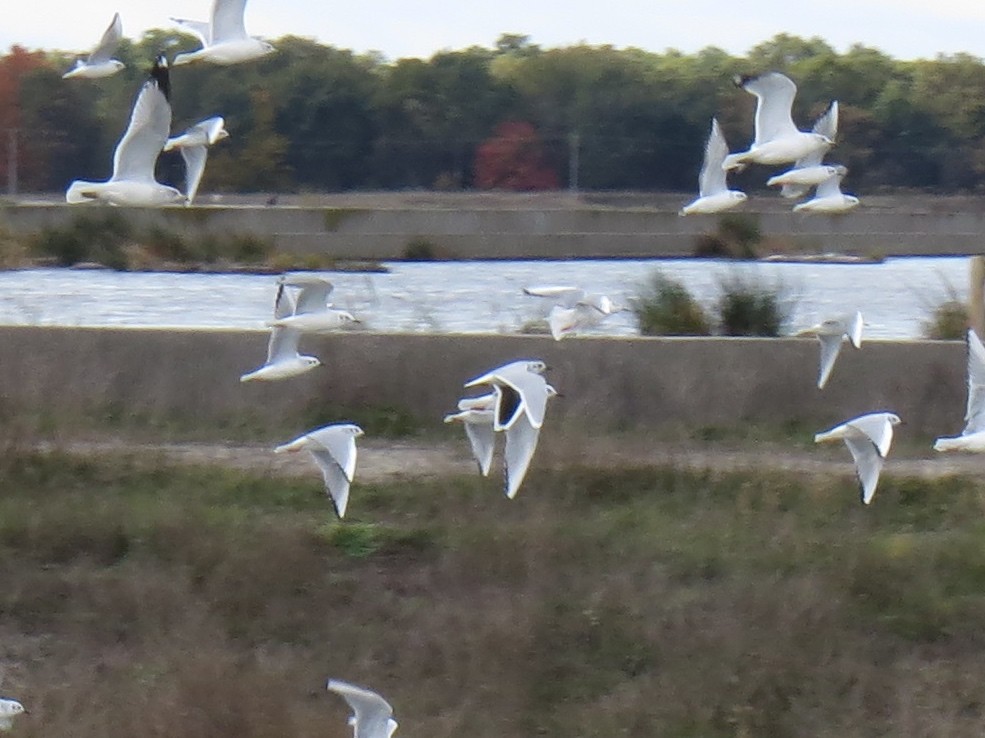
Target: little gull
312 312
972 438
830 333
777 139
476 414
714 196
193 145
372 716
574 308
133 182
224 39
828 198
9 709
283 359
868 437
334 449
101 62
808 171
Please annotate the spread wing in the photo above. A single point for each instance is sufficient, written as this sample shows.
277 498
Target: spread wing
521 393
108 43
313 297
827 123
975 414
341 445
711 181
482 438
283 344
774 93
371 713
830 348
831 187
336 482
868 465
227 20
563 294
521 442
195 158
199 28
877 430
147 132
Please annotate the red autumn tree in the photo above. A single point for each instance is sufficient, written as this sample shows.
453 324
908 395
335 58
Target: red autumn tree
14 65
513 158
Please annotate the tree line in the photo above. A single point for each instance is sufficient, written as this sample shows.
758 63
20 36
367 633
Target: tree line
314 117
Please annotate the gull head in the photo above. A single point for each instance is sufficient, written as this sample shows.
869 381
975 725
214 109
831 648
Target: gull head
266 48
737 196
350 429
536 367
893 418
116 65
310 361
347 317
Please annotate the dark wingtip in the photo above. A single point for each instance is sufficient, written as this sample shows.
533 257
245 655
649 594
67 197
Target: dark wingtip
740 80
160 74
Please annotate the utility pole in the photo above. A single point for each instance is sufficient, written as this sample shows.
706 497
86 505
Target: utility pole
574 148
12 161
976 296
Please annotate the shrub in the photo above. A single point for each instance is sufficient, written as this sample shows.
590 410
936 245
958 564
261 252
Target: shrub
96 238
947 322
664 307
736 237
748 307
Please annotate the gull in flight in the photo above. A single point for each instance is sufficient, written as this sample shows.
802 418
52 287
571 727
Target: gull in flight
714 196
372 716
828 198
283 359
194 146
521 395
133 181
808 171
574 308
477 414
868 437
101 62
777 139
830 333
334 449
972 438
224 39
312 312
9 709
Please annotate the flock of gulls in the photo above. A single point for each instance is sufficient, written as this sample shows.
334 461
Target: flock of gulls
516 393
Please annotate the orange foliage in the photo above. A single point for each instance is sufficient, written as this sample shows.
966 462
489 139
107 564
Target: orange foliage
13 66
513 159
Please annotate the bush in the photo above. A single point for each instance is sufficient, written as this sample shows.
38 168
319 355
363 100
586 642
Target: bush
747 307
736 237
96 238
947 322
664 307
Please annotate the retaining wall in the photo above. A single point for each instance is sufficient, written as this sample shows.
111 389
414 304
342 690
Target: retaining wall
188 379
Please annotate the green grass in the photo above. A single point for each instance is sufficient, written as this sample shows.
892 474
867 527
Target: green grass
150 599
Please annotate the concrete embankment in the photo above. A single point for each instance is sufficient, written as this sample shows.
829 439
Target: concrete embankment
180 381
552 225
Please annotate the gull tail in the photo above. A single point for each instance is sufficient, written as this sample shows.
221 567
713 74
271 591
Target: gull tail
80 191
947 444
826 436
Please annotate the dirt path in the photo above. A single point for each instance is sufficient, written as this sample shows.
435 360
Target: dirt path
381 460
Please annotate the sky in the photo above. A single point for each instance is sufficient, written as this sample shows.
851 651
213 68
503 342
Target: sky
904 29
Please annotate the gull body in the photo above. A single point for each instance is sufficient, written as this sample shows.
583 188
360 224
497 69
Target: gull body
312 312
830 334
972 438
334 450
828 198
100 63
477 415
133 182
194 147
372 716
573 309
809 171
868 437
521 395
9 709
714 196
224 38
777 139
283 359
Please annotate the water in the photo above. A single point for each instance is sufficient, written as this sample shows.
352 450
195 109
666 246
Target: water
895 296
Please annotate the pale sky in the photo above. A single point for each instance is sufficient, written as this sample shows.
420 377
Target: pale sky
904 29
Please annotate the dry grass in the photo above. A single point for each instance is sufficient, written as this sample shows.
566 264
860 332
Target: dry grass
146 600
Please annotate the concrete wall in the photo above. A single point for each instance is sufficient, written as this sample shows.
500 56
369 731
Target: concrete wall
548 226
159 378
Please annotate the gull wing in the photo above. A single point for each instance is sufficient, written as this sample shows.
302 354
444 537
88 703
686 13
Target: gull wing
520 393
340 444
521 442
492 376
214 129
830 348
831 187
313 297
283 344
827 123
774 93
199 28
194 158
975 414
482 402
336 483
868 464
372 715
482 438
283 302
566 296
877 430
711 181
108 43
147 132
227 20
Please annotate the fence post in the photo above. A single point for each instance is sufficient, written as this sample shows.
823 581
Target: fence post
574 150
976 296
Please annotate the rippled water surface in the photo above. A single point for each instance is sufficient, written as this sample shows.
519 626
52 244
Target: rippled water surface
895 296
